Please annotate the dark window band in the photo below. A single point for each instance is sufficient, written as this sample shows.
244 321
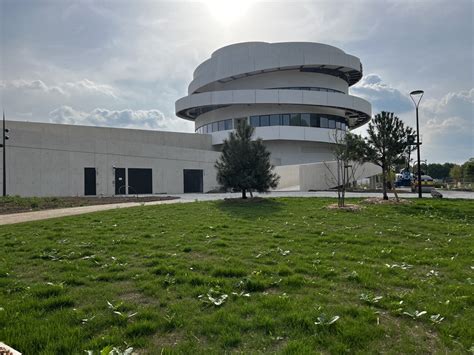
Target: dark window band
300 119
310 88
285 119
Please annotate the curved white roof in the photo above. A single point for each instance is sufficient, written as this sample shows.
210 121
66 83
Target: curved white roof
251 58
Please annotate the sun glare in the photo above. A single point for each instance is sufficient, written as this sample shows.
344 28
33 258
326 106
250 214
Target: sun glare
228 11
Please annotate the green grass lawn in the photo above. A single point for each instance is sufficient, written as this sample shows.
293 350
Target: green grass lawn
280 275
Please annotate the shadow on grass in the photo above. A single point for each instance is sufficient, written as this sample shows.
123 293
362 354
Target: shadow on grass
251 208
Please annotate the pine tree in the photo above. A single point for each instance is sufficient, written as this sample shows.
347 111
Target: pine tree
386 143
245 164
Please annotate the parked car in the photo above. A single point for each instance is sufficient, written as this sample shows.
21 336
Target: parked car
427 183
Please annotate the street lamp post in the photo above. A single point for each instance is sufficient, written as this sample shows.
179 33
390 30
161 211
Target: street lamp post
3 145
414 95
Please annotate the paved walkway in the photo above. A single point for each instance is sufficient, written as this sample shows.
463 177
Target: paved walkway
186 198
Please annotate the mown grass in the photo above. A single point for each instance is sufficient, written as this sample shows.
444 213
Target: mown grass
145 277
15 204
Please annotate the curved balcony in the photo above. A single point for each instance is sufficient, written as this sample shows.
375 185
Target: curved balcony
358 111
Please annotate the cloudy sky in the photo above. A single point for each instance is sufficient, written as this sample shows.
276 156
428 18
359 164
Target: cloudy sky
124 63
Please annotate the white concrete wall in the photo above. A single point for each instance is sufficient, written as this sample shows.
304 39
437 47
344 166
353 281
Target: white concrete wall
293 152
321 176
318 176
289 177
49 159
299 137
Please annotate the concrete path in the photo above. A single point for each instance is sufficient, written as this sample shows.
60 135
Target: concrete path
71 211
186 198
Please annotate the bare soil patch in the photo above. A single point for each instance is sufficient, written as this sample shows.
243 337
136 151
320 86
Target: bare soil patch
347 207
380 201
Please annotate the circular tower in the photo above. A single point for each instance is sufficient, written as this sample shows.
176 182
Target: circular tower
295 94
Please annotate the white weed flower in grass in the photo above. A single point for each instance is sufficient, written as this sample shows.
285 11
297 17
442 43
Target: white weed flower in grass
323 320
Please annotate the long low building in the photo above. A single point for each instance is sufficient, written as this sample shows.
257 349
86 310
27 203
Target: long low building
46 159
295 94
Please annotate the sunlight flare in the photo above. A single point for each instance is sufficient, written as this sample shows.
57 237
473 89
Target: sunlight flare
228 11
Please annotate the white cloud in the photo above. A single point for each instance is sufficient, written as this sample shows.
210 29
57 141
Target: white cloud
381 95
90 87
448 134
454 103
143 119
81 87
446 124
30 85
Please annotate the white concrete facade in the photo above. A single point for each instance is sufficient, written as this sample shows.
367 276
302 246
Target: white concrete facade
319 176
49 159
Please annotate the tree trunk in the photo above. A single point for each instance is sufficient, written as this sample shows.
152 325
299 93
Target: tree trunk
384 183
394 190
343 190
244 195
339 201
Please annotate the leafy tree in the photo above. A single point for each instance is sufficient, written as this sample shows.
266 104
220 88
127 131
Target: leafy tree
456 173
245 163
386 143
438 171
468 170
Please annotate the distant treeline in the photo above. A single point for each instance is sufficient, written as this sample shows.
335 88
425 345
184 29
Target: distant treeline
449 171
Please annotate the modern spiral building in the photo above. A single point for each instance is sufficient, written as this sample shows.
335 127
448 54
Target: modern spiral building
296 95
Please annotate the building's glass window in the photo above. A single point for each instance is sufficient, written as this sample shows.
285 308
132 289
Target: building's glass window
255 121
305 119
324 122
238 121
274 120
286 119
314 120
295 119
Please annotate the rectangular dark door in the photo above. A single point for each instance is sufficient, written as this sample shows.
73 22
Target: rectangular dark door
140 181
193 180
89 182
120 182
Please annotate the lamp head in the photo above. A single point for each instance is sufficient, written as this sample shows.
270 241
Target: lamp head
415 93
